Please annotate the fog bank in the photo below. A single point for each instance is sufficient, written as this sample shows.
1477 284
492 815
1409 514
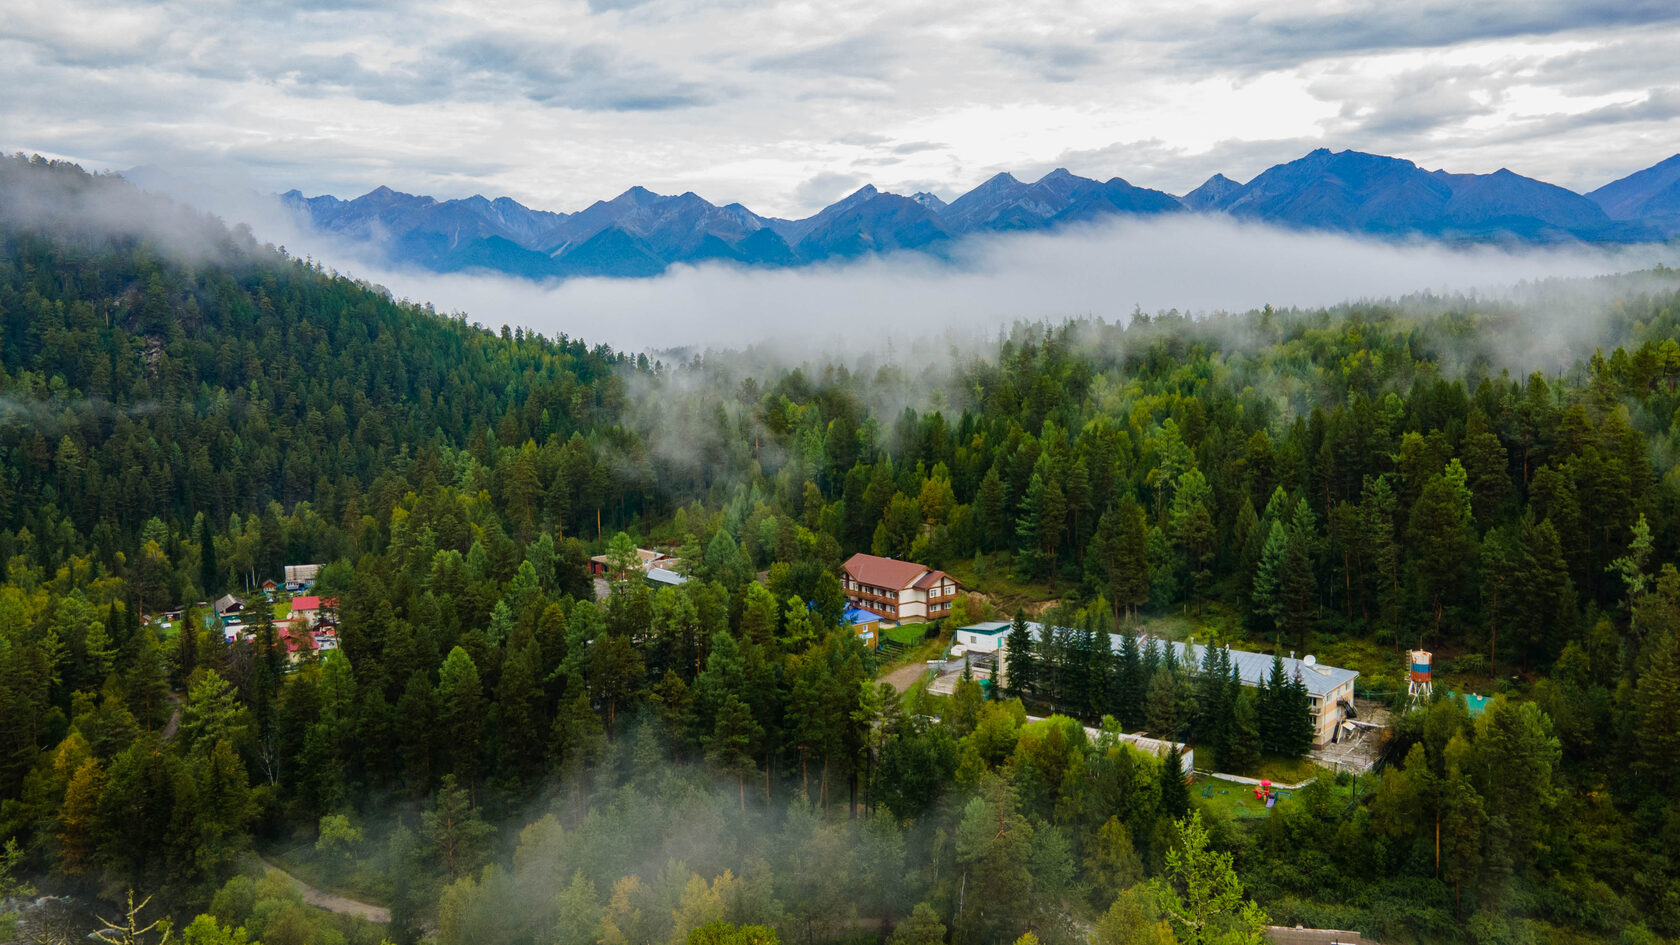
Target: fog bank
1192 263
1195 265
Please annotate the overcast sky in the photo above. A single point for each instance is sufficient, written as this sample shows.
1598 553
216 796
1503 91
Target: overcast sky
788 106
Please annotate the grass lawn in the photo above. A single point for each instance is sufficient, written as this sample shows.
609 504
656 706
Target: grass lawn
920 650
283 610
1287 770
909 634
1233 798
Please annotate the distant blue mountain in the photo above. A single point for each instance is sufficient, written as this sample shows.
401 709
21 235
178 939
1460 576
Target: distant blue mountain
1353 192
1651 196
641 233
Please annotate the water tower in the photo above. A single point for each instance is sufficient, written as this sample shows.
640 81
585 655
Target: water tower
1419 686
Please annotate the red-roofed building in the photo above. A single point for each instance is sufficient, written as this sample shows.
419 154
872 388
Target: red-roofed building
898 591
306 609
298 643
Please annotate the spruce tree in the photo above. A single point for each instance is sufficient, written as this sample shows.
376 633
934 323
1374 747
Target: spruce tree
1175 793
1127 682
1297 723
1272 699
209 571
1021 675
1242 749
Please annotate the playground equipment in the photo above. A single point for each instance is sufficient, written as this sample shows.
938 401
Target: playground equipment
1264 793
1419 685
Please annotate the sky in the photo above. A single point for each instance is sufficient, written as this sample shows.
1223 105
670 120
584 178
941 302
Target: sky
786 107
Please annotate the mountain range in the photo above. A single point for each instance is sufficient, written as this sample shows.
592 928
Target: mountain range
640 233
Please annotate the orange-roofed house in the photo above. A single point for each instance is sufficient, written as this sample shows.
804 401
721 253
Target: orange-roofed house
898 591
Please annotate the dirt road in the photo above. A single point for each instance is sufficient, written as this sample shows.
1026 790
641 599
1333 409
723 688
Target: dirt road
906 676
332 903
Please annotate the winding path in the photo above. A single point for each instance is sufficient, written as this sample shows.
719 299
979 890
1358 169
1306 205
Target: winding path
331 902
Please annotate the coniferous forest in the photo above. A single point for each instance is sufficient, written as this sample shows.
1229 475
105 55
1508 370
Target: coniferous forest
493 755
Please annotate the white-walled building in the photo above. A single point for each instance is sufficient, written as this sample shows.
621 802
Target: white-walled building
897 591
1328 687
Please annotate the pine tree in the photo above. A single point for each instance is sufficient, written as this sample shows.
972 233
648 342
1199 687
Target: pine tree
1376 516
1193 526
209 571
1031 564
989 511
733 742
1021 674
1273 708
1129 582
1267 594
1128 682
1658 718
1164 721
1175 793
460 715
1242 750
1298 586
1443 538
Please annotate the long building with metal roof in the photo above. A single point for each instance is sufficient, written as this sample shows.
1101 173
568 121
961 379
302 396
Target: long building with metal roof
1330 686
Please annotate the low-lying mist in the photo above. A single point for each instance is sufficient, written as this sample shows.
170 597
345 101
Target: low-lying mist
864 309
1190 264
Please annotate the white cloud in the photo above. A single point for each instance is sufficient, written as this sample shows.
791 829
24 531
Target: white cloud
751 100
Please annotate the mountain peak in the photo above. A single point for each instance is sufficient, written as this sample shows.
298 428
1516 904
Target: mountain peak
866 192
930 201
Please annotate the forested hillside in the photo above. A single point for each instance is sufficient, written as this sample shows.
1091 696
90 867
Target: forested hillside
501 758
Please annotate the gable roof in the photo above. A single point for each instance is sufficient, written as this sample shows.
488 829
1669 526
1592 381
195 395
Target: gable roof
930 579
884 572
305 603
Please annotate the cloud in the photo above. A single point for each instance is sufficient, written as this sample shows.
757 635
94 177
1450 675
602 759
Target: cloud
825 188
862 139
590 76
1052 61
1257 39
864 56
751 99
917 147
1413 102
606 6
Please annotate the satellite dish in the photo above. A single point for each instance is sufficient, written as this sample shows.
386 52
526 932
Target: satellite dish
1310 660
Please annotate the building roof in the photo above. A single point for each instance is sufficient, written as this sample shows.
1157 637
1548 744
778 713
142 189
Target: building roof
1282 935
305 603
884 572
931 578
857 615
1254 668
227 602
645 557
990 628
665 576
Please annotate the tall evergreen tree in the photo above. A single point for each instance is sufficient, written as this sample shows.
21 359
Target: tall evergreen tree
1021 674
209 570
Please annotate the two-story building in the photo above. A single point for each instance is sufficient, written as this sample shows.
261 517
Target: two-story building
898 591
